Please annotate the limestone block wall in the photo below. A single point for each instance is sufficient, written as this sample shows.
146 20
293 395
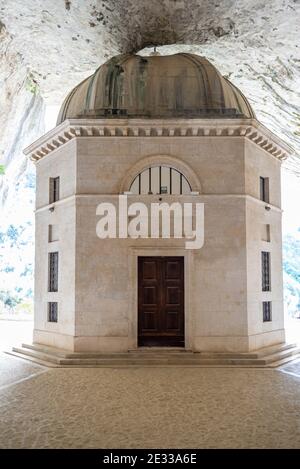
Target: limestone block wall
215 285
259 163
220 297
217 161
264 333
98 278
217 305
60 163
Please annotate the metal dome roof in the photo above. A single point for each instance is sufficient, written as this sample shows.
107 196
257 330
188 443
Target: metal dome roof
157 86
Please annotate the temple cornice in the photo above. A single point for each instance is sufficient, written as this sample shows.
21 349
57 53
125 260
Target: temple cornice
250 129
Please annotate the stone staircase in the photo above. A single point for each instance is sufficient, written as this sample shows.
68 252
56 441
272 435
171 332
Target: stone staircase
157 357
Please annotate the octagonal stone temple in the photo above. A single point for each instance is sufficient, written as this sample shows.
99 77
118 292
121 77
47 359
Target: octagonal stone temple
158 129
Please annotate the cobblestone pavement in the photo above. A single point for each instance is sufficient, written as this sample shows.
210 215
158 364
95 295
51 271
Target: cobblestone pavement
151 407
13 370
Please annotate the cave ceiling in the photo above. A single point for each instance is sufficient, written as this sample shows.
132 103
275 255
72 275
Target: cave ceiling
48 46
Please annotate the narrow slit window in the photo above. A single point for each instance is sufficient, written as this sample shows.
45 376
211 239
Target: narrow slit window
52 311
264 189
53 233
266 233
267 311
53 272
53 190
266 271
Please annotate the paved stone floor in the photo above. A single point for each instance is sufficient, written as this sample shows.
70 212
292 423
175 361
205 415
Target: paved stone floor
153 407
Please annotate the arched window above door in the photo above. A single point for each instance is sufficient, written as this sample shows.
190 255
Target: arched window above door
160 180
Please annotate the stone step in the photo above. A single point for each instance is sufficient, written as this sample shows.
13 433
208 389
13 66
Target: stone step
132 361
56 357
159 352
38 361
159 362
162 350
56 352
129 360
37 354
256 354
127 364
134 358
66 354
284 361
274 348
281 355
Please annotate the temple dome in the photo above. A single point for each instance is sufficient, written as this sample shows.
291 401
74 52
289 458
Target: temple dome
158 86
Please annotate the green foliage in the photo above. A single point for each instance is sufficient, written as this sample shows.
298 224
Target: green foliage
9 300
291 262
31 84
2 169
291 250
26 308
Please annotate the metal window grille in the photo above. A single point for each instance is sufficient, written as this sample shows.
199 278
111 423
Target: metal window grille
53 272
176 182
267 311
266 271
52 311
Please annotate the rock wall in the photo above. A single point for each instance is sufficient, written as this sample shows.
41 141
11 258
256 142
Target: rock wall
52 45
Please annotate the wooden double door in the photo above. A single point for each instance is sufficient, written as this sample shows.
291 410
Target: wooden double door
161 301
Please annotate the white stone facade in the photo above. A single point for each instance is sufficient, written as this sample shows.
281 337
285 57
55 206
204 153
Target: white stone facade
96 160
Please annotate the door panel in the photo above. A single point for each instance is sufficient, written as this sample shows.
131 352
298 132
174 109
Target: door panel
161 301
150 321
172 295
172 269
149 270
150 295
173 322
